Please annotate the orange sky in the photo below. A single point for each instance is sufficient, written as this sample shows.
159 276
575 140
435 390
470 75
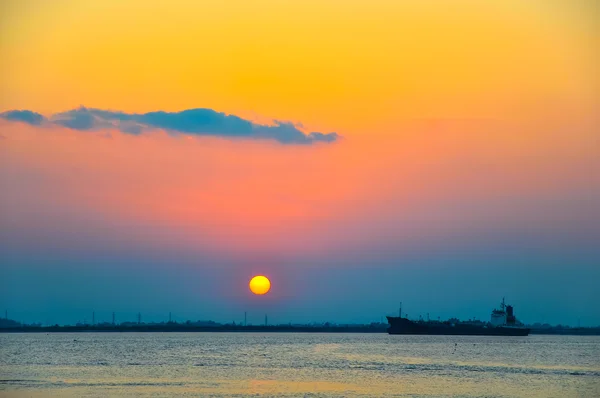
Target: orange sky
418 90
351 66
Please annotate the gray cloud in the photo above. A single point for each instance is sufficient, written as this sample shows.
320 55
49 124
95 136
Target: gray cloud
77 119
199 121
23 116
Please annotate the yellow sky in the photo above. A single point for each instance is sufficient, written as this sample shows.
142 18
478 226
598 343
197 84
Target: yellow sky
334 65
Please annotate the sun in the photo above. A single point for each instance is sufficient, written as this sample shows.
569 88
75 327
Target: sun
259 284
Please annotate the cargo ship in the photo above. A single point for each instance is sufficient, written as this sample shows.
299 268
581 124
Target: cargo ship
502 323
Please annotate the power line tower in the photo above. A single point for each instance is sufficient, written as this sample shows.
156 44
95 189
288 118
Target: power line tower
139 318
93 318
113 318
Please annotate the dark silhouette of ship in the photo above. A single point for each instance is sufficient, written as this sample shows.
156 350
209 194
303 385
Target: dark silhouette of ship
502 323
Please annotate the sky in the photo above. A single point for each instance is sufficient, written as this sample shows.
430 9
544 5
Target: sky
156 155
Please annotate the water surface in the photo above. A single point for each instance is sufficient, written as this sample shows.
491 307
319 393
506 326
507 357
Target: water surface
290 364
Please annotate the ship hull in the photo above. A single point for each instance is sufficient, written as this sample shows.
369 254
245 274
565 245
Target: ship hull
404 326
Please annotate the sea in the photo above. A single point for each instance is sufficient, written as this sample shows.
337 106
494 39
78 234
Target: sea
296 365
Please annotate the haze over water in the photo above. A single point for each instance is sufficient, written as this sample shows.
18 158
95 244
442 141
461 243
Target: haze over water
297 365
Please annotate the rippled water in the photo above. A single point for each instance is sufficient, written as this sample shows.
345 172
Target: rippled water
289 364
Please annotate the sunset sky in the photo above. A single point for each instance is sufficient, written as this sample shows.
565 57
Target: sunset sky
155 155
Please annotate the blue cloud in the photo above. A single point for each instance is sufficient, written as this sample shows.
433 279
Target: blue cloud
329 137
23 116
77 119
198 121
191 121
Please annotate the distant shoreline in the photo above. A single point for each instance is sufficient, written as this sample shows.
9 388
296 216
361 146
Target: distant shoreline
188 329
248 329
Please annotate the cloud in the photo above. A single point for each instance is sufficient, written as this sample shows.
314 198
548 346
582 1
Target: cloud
77 119
200 121
23 116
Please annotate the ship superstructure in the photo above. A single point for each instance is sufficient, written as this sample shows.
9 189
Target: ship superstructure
504 316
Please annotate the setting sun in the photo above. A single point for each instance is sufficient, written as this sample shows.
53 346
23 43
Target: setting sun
260 284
